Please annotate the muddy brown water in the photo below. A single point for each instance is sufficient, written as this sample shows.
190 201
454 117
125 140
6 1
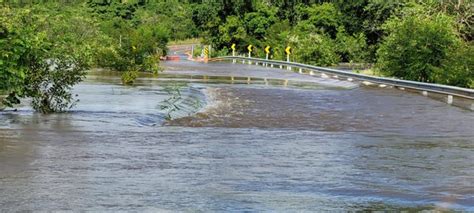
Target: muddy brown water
248 146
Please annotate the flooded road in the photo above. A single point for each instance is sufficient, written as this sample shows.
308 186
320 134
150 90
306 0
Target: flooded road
258 145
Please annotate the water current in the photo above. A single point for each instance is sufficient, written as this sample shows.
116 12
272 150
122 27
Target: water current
268 140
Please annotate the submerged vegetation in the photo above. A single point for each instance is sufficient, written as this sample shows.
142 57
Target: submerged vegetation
171 104
47 47
43 60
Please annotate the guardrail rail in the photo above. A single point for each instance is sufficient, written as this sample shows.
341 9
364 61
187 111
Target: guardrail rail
450 91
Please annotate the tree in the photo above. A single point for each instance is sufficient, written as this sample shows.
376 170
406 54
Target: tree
277 38
352 48
134 36
316 49
43 60
458 67
417 45
15 45
324 18
233 31
461 10
257 23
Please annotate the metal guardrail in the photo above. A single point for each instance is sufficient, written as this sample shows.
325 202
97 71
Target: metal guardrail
428 87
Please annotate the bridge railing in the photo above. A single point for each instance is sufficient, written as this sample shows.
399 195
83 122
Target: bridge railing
425 87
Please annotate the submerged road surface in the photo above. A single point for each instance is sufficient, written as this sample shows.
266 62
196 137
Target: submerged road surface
258 145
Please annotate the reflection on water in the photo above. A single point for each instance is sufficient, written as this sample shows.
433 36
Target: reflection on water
254 147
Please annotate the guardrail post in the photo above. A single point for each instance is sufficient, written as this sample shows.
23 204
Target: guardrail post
422 88
367 83
266 58
288 60
450 99
233 55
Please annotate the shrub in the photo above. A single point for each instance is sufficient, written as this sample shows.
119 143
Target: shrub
416 46
351 48
223 52
42 57
457 67
129 77
317 49
325 18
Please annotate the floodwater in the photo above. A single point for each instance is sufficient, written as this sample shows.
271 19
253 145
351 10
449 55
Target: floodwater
267 144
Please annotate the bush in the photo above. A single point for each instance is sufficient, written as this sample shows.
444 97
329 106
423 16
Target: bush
133 42
223 52
197 50
351 48
136 49
15 44
129 77
43 56
232 31
277 37
317 49
49 84
416 46
325 18
457 67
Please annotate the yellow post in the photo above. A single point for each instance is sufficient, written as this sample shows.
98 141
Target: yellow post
249 48
288 52
267 51
233 52
206 54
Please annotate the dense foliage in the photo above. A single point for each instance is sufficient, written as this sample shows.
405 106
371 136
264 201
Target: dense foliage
43 60
46 47
417 40
425 48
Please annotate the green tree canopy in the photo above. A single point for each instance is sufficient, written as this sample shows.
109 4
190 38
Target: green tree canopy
417 44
